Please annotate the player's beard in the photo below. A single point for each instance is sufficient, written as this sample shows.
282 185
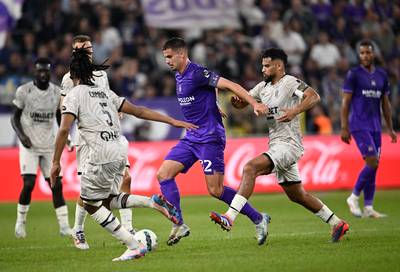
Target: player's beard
268 79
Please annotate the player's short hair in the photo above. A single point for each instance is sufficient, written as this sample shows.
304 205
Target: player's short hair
82 68
275 53
42 64
367 43
81 39
174 44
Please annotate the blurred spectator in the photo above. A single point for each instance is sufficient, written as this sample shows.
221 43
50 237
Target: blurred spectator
320 121
325 53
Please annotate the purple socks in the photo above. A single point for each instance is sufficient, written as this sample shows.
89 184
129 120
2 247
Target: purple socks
171 192
227 196
366 183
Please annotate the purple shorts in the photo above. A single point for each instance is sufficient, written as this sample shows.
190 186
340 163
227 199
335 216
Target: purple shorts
210 155
368 142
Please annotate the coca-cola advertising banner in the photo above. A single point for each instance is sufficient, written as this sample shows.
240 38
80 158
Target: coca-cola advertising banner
328 164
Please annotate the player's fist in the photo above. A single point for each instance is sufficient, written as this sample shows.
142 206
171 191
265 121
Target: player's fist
345 135
26 142
238 103
260 108
393 136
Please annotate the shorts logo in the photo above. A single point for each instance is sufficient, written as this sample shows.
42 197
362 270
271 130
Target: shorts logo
370 148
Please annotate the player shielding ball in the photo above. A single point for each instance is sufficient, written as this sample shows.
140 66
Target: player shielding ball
96 110
286 97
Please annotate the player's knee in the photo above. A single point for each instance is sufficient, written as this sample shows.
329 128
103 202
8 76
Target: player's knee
372 162
249 170
162 174
296 198
29 182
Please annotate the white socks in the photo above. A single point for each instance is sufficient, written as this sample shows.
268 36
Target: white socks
107 220
62 216
22 212
131 201
80 216
236 206
354 197
126 218
328 216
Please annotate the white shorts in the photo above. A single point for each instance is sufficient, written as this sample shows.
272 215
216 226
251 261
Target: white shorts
30 160
82 153
99 181
285 157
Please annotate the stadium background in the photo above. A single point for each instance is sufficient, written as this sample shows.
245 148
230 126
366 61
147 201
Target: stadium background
228 36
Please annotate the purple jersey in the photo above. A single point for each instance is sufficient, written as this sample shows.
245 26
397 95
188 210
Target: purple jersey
367 89
195 89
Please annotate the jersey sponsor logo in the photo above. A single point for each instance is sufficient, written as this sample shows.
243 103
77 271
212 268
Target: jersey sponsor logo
187 100
272 110
109 135
372 93
98 94
42 117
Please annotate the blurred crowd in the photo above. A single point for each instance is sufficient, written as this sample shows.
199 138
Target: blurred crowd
320 38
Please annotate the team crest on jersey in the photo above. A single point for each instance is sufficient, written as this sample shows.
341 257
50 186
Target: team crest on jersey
373 83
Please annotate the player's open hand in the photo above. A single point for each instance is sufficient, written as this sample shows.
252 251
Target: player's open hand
260 108
183 124
345 136
26 142
287 116
54 173
393 136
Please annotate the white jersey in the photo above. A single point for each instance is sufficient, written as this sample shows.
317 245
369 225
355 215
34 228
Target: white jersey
39 108
284 94
100 79
96 110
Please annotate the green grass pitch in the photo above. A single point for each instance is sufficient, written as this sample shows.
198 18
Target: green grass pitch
298 240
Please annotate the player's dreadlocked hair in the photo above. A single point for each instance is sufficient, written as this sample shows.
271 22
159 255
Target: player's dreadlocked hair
82 68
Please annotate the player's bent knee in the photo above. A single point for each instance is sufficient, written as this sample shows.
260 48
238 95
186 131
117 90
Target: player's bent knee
249 169
215 191
29 182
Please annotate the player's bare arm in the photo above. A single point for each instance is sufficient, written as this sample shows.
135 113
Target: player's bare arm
344 118
387 114
224 83
238 103
310 98
16 124
61 139
147 114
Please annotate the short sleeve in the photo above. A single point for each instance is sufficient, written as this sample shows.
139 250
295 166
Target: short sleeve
19 99
70 104
116 100
349 82
296 87
66 84
255 92
106 83
205 77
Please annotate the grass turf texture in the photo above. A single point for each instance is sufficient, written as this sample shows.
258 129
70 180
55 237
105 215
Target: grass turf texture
298 240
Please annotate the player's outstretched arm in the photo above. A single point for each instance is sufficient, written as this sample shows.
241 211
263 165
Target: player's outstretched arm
224 83
387 114
344 117
62 135
148 114
310 98
16 124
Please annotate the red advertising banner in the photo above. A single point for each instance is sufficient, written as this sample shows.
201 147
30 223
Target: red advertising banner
328 164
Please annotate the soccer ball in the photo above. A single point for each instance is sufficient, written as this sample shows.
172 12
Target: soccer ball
148 238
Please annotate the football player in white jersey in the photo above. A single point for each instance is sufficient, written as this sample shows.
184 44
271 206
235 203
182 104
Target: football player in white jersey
155 202
96 110
36 105
286 97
